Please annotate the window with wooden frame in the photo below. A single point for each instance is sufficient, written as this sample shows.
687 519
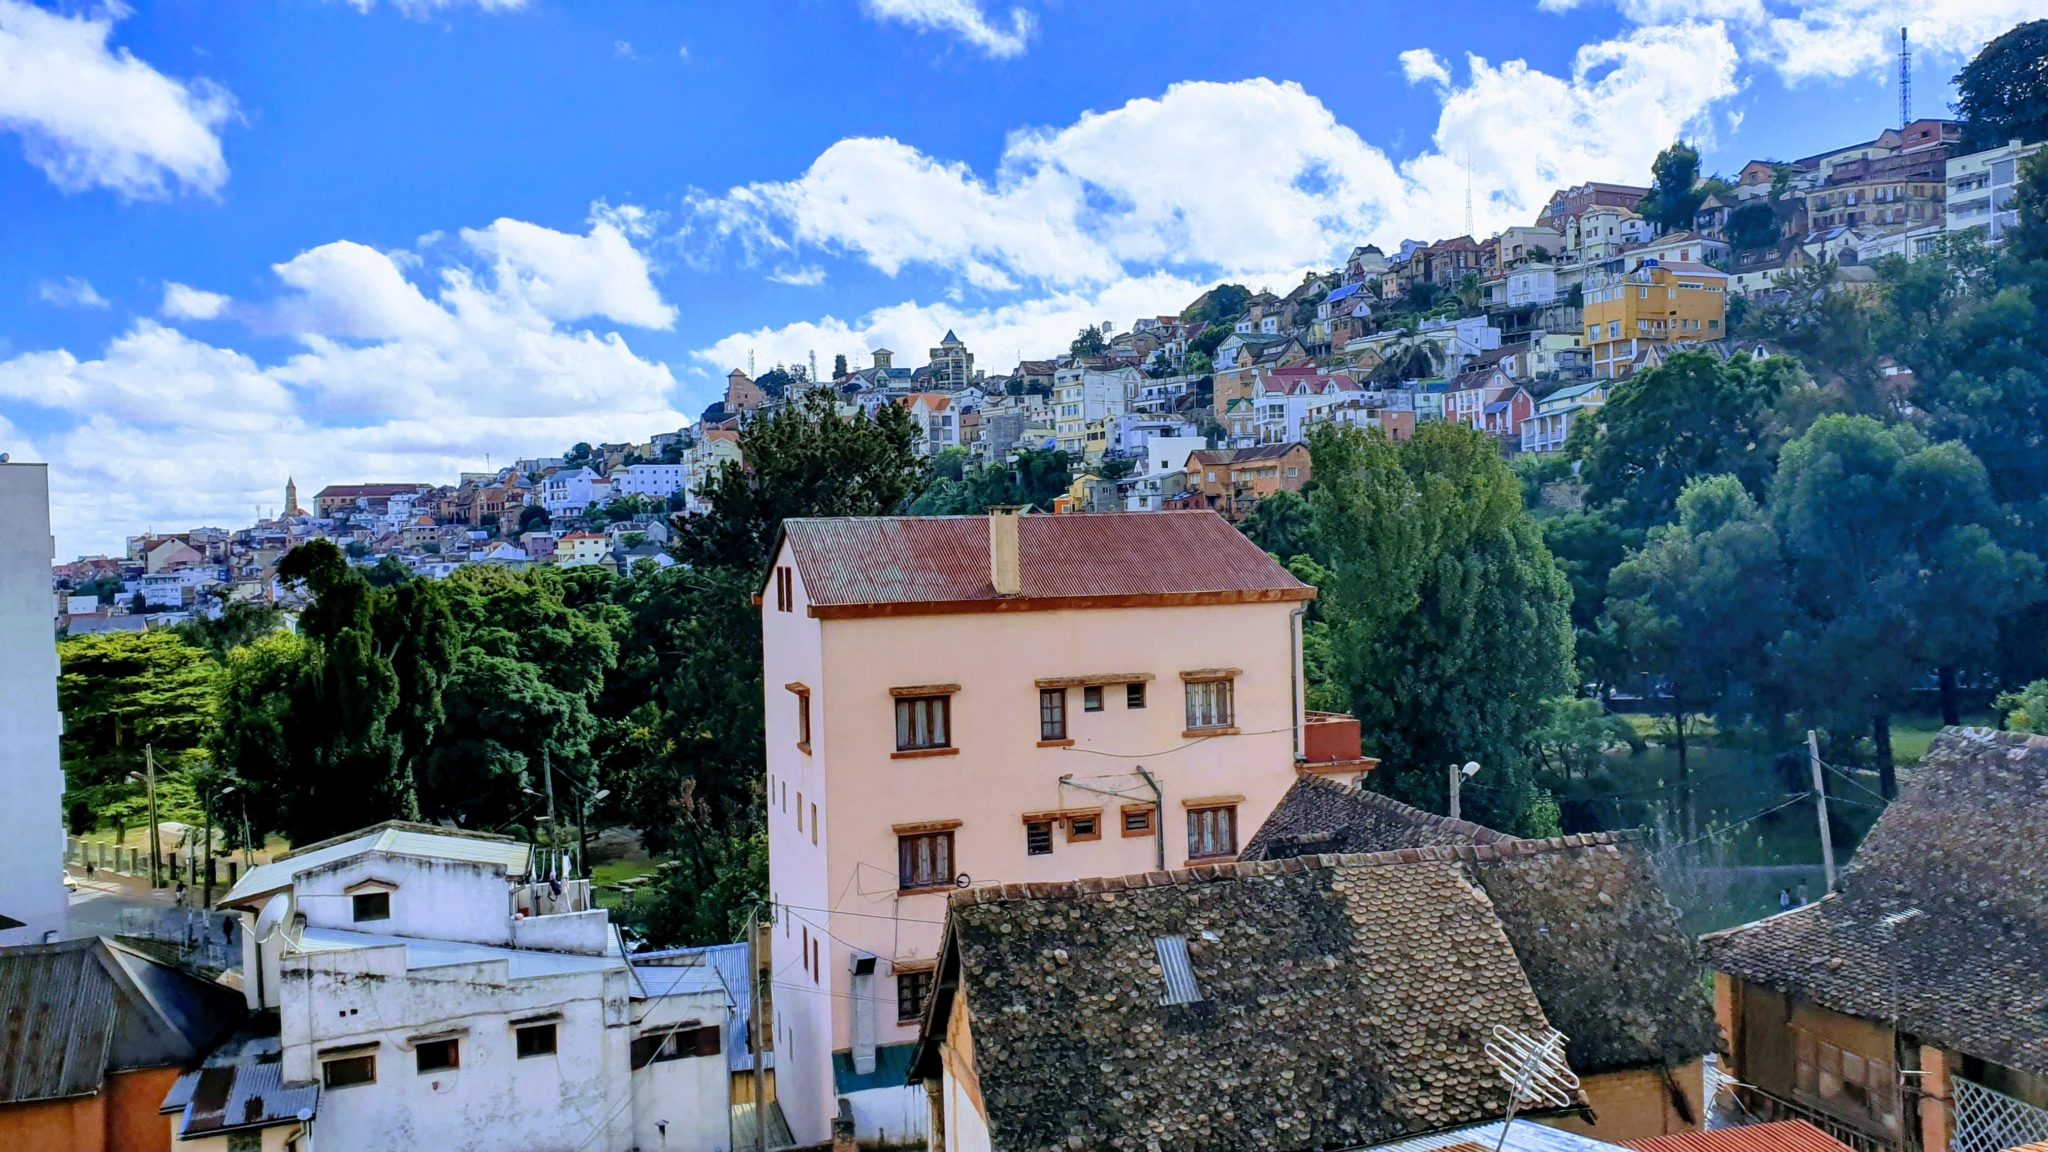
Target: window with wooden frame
924 721
1140 819
534 1040
785 589
1212 832
1134 695
1052 714
1091 698
1084 826
437 1055
924 860
802 692
913 988
348 1071
678 1044
1038 838
1844 1081
1209 699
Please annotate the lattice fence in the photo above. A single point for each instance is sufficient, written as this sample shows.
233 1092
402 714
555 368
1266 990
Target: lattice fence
1988 1121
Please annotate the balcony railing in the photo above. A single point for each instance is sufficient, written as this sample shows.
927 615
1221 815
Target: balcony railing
1764 1105
1991 1121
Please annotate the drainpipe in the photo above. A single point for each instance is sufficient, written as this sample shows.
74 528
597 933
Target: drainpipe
1295 621
1158 814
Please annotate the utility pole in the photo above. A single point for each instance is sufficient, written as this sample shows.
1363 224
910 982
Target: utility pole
156 854
754 1030
547 773
1457 778
1820 800
206 851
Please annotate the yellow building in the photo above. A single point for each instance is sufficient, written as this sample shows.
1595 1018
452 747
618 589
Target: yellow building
1657 304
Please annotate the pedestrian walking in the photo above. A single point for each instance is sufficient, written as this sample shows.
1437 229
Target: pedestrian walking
181 893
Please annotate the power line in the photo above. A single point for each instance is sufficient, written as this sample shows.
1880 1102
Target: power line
1720 832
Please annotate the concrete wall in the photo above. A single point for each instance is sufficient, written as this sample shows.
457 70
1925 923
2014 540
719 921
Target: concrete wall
274 1139
122 1117
999 774
434 900
692 1094
579 1097
31 776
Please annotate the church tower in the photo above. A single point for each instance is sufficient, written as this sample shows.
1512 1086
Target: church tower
291 499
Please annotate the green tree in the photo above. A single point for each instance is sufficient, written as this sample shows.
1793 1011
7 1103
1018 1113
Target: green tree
1577 736
239 622
1829 330
1282 524
1895 570
1675 192
1089 343
1695 415
1222 302
533 517
1753 227
1449 622
839 366
121 692
2027 709
802 459
2002 93
1698 606
1211 338
1587 545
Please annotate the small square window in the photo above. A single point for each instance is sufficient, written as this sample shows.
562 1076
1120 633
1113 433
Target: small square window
912 989
372 906
1087 827
437 1055
535 1040
1137 819
1038 838
1091 698
349 1071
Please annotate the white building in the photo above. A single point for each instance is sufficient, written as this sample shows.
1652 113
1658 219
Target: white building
572 492
1161 473
1082 395
32 904
652 481
430 993
1981 188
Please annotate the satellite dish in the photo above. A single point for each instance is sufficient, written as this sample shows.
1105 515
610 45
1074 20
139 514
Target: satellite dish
276 918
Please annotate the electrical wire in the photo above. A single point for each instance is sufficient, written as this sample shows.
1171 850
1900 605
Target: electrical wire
1175 748
1723 831
1879 796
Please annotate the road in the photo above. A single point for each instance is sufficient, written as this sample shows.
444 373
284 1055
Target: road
97 904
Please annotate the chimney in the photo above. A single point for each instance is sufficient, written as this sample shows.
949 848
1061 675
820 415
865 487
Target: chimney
1005 570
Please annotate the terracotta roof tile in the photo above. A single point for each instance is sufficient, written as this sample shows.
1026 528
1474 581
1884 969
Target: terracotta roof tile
1966 847
883 560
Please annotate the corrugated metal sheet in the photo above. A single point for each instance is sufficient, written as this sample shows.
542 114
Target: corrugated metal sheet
1176 971
509 854
1778 1136
241 1085
930 559
57 1006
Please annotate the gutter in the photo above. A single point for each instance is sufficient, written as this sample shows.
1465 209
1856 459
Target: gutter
1297 619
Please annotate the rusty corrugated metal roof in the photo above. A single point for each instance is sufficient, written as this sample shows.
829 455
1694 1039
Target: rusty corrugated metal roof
74 1011
1778 1136
875 560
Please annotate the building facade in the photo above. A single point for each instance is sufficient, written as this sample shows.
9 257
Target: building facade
1140 710
1656 304
32 902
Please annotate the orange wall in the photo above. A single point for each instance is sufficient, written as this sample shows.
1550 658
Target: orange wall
122 1118
1635 1104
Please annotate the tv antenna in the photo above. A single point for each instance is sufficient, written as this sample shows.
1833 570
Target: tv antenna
1534 1069
1905 81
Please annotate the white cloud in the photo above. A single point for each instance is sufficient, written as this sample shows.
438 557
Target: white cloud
90 116
183 302
962 18
71 292
623 50
1830 39
806 276
1421 64
1138 188
408 367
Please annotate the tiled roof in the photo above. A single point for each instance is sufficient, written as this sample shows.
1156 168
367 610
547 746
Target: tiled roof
1592 926
1338 1001
1959 862
80 1009
1779 1136
1235 456
944 560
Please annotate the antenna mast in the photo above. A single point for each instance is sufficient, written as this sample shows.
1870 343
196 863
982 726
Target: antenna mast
1905 81
1468 196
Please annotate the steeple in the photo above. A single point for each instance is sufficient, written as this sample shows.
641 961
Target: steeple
291 499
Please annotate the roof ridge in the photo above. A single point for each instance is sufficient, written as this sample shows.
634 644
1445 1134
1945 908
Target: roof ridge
391 825
1506 849
1408 811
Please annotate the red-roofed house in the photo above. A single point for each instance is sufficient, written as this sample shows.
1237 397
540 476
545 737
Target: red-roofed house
936 416
958 700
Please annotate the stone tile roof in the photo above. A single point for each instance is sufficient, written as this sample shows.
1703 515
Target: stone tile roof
1318 815
1965 846
1589 920
1343 1000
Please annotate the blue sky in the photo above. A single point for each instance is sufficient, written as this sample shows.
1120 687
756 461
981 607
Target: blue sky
366 239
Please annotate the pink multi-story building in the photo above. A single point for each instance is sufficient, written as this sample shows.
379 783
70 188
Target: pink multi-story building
967 700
